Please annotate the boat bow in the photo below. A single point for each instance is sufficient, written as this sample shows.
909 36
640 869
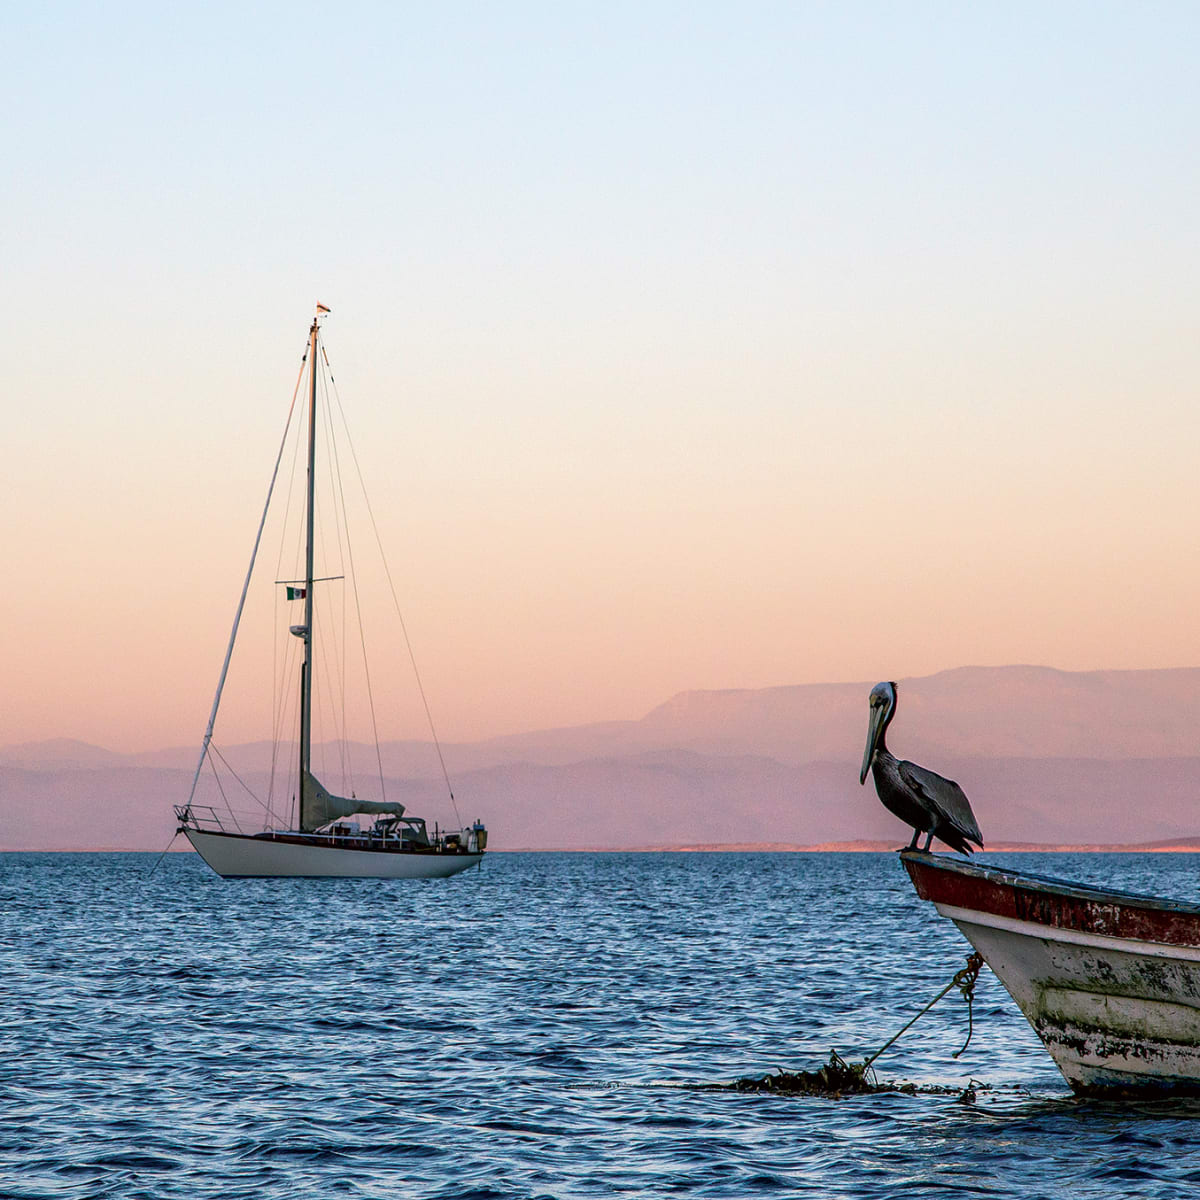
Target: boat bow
1109 980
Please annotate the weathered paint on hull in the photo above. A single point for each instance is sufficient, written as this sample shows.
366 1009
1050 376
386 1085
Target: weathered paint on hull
237 857
1109 981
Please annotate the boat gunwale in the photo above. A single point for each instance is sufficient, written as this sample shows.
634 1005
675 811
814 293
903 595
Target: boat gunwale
1032 881
1052 905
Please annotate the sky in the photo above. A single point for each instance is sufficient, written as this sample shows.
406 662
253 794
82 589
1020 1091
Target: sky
685 346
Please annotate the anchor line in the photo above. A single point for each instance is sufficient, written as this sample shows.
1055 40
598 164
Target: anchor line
164 853
965 980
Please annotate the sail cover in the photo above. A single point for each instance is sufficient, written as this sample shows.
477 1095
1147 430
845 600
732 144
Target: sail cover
318 806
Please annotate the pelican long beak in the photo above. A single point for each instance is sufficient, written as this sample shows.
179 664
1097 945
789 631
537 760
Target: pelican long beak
873 731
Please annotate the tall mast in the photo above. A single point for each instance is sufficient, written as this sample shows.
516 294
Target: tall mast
306 670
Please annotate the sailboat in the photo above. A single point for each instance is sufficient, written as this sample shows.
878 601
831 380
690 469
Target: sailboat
328 837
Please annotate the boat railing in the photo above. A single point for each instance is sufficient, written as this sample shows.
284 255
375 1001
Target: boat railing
199 816
468 840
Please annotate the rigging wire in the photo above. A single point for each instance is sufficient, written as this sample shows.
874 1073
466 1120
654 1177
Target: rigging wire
237 620
279 704
362 636
330 695
391 584
245 786
284 712
323 696
275 698
287 508
340 645
220 788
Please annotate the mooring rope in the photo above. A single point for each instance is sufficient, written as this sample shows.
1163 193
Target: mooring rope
964 980
840 1077
164 853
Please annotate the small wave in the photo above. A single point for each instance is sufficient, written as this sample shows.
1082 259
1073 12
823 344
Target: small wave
132 1161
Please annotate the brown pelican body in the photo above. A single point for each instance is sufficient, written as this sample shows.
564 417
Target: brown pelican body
920 798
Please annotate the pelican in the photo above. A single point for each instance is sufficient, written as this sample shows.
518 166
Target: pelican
920 798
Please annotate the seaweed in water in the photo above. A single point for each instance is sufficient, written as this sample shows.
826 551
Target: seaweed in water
838 1078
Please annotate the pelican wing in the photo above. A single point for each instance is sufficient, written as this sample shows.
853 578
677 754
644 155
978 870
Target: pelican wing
945 797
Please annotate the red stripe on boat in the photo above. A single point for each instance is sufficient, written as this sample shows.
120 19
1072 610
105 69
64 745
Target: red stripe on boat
1052 902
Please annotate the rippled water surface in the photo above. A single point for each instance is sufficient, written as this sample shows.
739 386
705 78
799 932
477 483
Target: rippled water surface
530 1029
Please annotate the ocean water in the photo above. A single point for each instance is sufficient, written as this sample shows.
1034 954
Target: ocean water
535 1028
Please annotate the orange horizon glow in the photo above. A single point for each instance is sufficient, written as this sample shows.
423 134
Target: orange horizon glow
709 351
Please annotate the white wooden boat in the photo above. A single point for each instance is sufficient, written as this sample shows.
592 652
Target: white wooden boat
1109 980
328 840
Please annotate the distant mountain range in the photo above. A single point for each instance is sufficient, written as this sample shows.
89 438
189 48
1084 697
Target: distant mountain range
1046 756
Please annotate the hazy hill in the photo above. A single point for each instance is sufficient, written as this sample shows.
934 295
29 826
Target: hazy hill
656 799
59 752
1015 712
1046 756
1028 712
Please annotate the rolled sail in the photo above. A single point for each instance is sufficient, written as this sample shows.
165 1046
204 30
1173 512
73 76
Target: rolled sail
319 806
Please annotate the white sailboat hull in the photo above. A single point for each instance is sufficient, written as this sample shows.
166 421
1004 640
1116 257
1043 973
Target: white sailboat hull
235 856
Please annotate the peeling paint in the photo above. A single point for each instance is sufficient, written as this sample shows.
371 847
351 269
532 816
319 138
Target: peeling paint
1110 981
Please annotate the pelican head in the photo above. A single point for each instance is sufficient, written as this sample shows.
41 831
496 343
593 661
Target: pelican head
883 706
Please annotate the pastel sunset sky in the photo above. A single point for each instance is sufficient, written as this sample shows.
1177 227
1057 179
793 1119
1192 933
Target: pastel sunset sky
685 345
